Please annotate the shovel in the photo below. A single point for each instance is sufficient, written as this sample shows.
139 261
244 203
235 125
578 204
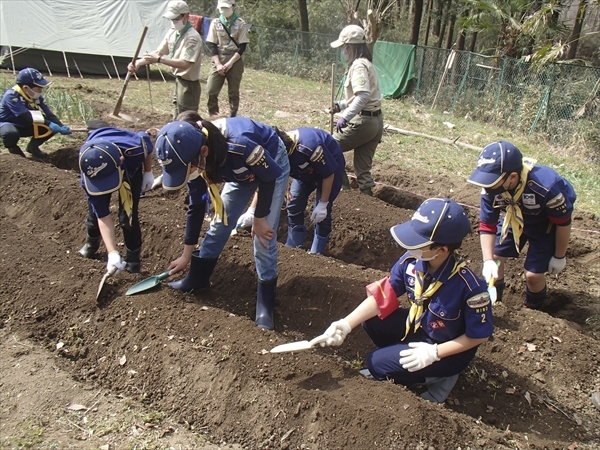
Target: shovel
148 283
492 290
108 274
300 345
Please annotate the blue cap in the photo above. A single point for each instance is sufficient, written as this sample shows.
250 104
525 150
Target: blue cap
495 160
177 144
438 220
100 165
30 75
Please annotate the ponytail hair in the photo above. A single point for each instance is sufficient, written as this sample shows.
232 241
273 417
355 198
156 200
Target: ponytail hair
213 139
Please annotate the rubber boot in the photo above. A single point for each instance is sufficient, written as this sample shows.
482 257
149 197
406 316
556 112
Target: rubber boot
367 191
499 285
132 260
16 150
439 388
91 247
34 149
198 276
345 182
534 300
265 302
296 236
318 245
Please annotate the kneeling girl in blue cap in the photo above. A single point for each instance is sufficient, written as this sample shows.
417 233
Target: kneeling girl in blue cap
113 159
450 315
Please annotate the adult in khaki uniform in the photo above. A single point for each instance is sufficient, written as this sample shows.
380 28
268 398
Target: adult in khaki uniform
180 49
227 39
360 125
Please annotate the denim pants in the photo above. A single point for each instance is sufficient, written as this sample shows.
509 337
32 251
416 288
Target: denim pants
236 197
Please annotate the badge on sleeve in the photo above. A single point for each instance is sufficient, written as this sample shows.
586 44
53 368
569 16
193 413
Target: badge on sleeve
479 300
317 154
256 156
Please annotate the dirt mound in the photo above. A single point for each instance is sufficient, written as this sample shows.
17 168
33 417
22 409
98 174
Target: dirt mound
201 360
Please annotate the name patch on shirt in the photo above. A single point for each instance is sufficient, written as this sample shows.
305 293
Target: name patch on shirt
479 300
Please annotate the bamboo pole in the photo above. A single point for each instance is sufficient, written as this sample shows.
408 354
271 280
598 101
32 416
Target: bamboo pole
394 130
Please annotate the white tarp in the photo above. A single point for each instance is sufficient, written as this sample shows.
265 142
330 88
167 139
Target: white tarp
95 27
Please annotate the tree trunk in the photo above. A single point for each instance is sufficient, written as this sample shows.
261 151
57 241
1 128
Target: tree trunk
416 25
473 42
574 39
304 26
451 23
439 12
429 6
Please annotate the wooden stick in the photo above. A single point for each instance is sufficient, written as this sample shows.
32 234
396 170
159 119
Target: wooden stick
12 60
66 64
77 67
107 72
449 63
149 88
115 66
47 66
161 74
128 76
434 138
332 98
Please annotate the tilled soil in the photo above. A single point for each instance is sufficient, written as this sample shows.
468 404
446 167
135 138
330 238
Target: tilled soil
202 362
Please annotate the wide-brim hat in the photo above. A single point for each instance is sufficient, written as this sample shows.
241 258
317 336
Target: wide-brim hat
100 166
437 220
496 160
177 144
176 8
351 34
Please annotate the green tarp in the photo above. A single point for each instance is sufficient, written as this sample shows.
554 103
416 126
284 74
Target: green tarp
395 66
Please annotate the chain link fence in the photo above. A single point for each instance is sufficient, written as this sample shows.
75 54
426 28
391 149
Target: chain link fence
559 101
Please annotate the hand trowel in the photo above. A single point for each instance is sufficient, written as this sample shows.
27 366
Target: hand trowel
300 345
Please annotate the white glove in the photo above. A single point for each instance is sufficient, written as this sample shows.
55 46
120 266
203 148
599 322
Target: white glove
319 213
115 264
490 270
336 333
557 265
246 220
147 181
418 356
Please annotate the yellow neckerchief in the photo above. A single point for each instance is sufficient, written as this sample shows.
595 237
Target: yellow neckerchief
416 306
295 137
30 101
126 198
215 200
514 215
213 191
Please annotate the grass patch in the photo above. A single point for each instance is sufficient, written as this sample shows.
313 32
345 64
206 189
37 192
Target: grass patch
289 102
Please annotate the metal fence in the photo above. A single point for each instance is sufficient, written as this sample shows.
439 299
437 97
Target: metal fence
560 101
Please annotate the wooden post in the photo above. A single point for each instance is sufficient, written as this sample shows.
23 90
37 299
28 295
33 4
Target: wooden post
449 63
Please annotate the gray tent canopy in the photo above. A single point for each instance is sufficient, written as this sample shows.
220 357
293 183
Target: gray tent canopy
97 37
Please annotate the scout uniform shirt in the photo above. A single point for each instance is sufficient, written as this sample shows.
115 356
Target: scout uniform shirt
547 199
316 156
187 46
460 306
363 78
134 148
14 108
252 149
218 35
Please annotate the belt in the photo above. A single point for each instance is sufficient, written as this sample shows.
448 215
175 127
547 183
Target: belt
371 113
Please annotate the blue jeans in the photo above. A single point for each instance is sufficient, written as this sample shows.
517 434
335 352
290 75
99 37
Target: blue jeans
236 197
299 193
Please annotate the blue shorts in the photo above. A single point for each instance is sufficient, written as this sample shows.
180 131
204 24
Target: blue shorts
542 243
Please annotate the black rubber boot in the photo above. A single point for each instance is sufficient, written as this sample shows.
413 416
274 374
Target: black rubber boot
35 150
499 285
198 278
91 247
534 300
16 150
345 182
132 260
265 302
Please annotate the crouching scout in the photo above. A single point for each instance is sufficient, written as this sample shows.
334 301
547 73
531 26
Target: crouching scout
450 312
